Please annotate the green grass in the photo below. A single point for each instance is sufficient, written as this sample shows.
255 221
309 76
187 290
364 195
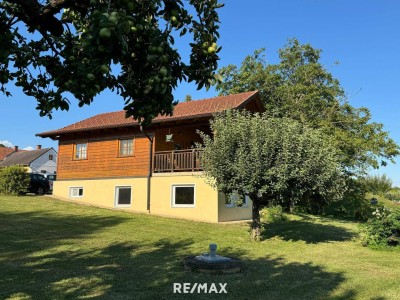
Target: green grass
51 249
388 203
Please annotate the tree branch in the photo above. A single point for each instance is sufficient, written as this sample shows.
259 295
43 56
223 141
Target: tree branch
42 17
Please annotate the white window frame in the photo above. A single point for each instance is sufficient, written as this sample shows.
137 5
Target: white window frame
116 195
71 188
245 204
78 155
173 188
120 147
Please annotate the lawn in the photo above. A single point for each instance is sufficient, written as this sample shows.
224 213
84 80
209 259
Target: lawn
51 249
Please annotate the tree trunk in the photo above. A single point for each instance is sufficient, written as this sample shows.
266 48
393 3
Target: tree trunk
256 224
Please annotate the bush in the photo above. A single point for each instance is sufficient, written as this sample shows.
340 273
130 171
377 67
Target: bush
377 184
354 203
393 195
383 229
273 214
14 180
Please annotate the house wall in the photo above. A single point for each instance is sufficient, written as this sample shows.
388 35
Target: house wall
43 163
103 158
228 213
103 170
101 192
252 106
206 198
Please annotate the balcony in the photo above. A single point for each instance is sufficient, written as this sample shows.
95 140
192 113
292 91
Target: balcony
177 161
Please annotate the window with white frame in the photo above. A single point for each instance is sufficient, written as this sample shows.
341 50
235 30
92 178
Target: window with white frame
126 147
123 196
235 200
76 192
183 195
80 151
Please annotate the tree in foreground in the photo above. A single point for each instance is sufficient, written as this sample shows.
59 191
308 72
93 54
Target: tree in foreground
55 49
272 160
299 87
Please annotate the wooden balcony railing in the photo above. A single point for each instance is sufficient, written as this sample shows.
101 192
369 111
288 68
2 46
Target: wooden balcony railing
177 161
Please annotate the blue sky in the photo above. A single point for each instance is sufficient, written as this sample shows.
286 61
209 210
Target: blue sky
363 35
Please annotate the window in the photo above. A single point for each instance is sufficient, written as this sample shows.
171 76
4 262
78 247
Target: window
233 200
51 177
126 147
123 196
80 151
50 156
183 195
76 192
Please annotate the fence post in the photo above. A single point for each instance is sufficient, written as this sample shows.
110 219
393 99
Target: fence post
172 160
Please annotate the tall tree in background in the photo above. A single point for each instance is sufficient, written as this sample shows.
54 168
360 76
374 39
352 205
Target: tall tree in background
299 87
272 160
55 48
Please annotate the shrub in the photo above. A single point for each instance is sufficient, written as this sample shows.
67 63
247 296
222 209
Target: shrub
354 203
377 184
13 180
273 214
383 229
393 195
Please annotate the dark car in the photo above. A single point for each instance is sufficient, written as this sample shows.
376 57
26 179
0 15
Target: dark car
38 184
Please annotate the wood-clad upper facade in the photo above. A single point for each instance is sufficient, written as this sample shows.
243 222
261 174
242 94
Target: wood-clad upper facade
109 146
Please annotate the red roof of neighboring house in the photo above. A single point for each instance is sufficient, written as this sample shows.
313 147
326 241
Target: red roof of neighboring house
184 110
4 151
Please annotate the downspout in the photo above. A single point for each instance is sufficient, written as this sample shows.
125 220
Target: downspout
150 167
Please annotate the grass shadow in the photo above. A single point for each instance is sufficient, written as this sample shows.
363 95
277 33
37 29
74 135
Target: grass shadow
90 253
48 256
307 231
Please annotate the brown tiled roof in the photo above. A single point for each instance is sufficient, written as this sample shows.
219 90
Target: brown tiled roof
22 157
4 151
184 110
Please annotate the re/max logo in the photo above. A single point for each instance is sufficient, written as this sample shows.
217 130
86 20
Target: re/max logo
191 288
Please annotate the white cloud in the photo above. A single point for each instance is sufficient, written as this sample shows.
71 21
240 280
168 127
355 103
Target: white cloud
29 148
7 143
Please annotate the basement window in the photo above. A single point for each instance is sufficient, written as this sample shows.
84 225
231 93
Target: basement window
123 196
76 192
233 200
183 195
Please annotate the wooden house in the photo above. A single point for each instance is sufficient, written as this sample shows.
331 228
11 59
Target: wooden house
110 161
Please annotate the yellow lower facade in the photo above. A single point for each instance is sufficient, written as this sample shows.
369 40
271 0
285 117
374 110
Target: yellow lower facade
200 201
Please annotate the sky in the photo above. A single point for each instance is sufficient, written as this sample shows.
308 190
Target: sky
362 35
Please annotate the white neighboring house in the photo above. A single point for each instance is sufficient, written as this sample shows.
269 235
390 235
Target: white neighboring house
40 160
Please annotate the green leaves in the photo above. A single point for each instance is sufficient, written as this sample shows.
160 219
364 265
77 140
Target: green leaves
272 160
13 180
299 87
126 46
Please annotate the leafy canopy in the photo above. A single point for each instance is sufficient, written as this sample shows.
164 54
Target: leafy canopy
55 49
271 159
299 87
